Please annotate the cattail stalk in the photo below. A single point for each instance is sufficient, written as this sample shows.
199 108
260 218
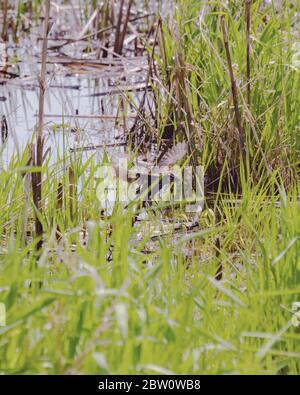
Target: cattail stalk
121 30
248 43
59 206
71 192
39 144
219 272
233 89
4 33
118 27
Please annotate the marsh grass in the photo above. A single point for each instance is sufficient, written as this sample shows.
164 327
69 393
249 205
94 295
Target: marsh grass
269 125
102 294
100 299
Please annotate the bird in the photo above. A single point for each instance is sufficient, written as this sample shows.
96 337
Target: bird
145 181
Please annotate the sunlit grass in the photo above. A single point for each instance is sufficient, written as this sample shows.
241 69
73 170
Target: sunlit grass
104 306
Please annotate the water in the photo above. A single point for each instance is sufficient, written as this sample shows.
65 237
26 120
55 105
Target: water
82 99
89 102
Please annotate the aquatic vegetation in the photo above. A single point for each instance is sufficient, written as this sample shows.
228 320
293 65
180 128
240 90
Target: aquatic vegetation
150 285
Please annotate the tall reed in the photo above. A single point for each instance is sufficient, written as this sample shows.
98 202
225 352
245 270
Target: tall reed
40 141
